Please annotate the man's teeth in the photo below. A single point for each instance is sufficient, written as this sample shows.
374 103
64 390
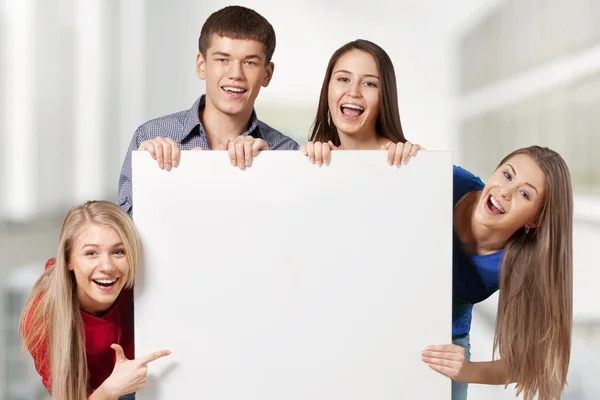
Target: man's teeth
354 106
234 89
497 204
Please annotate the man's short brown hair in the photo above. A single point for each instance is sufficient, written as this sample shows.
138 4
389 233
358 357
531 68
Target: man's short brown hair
237 22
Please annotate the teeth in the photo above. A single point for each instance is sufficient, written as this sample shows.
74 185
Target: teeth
234 89
106 281
496 204
354 106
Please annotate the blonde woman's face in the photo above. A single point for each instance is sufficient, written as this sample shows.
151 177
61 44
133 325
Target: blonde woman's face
101 267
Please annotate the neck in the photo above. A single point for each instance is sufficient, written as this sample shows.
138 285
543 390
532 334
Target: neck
92 307
370 141
219 127
475 237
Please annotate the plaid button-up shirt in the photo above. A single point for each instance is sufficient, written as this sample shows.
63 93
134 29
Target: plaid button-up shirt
185 128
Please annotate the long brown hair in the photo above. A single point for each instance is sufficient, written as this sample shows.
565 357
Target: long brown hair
535 310
388 121
51 318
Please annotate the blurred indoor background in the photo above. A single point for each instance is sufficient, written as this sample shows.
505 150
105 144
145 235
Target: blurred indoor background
478 77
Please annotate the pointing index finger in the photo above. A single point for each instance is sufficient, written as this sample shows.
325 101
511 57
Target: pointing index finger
154 356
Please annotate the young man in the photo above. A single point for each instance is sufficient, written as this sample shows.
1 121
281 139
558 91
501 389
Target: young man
236 45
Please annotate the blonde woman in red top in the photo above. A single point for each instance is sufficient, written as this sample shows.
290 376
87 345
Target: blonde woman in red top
78 321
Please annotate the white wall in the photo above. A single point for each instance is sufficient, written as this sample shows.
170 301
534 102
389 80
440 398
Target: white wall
586 272
586 302
152 48
88 86
418 35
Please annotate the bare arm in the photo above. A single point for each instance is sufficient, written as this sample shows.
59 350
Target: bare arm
485 372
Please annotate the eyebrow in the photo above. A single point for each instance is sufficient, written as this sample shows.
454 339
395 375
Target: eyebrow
527 183
345 71
95 245
248 57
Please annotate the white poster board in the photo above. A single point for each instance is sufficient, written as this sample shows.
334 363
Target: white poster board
289 281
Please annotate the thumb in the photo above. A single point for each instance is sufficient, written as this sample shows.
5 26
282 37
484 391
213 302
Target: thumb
118 352
225 146
386 146
259 145
333 146
197 149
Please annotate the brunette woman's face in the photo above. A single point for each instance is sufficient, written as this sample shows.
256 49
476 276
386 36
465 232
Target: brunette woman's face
513 197
100 265
353 94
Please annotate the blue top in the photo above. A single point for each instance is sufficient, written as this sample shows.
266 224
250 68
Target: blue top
474 277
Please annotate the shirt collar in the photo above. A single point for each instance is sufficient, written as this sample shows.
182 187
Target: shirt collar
192 120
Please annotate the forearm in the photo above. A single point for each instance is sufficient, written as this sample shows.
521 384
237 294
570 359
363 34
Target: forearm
487 373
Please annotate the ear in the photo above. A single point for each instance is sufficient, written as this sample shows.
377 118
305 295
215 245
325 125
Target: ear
534 223
200 66
269 74
70 266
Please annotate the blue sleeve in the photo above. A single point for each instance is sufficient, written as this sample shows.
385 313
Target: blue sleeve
464 182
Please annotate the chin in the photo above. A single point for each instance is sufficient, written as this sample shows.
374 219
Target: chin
348 129
231 109
483 217
106 298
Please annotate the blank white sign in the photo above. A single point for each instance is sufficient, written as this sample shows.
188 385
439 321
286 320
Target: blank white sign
291 281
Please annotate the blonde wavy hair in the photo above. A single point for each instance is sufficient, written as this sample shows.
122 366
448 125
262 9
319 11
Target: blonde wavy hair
51 317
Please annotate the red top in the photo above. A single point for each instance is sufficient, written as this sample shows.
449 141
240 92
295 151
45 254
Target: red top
115 326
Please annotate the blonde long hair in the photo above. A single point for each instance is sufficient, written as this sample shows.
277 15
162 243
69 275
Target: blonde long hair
535 310
51 318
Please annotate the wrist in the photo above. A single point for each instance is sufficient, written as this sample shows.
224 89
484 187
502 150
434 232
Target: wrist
468 373
105 392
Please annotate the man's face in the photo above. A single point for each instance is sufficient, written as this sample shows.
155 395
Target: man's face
234 71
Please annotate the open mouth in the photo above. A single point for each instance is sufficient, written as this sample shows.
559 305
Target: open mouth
494 206
105 283
351 111
234 91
